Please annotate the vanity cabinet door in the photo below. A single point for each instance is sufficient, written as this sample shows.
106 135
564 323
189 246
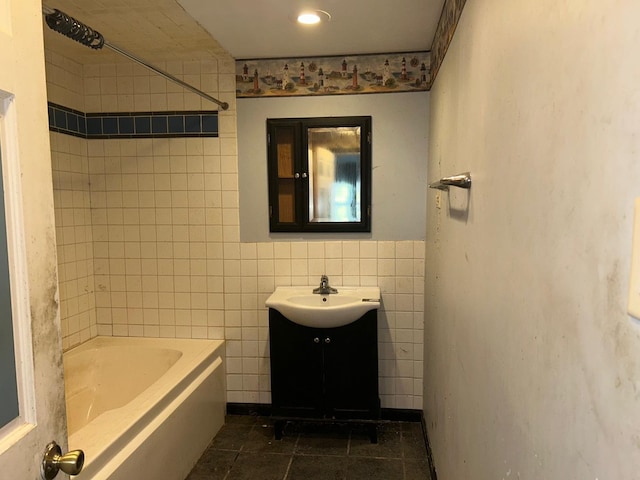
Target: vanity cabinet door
286 186
324 372
350 360
296 368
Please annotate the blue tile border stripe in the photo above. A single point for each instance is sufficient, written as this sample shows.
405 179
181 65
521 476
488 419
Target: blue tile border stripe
169 124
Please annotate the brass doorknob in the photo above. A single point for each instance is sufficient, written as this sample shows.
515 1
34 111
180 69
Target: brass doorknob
70 463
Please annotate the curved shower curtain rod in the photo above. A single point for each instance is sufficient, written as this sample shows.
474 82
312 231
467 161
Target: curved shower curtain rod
78 31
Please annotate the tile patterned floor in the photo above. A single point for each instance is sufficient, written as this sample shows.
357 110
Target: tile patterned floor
245 449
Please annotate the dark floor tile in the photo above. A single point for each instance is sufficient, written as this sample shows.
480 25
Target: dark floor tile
232 419
323 443
360 468
259 466
312 427
231 437
245 448
264 420
307 467
416 469
320 438
369 429
197 474
413 445
411 427
213 465
389 443
211 456
261 439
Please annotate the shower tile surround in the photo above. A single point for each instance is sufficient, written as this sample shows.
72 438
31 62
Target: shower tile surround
149 244
74 237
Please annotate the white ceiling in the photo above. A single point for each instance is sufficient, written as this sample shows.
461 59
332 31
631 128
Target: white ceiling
267 28
159 30
155 30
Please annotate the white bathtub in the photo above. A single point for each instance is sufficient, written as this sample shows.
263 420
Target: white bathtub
143 408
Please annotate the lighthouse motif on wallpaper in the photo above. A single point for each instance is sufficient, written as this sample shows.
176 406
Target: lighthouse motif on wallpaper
404 72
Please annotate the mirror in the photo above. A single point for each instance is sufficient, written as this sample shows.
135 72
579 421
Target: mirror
334 174
319 174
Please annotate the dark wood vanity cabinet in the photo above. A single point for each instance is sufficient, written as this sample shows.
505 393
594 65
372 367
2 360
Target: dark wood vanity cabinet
324 373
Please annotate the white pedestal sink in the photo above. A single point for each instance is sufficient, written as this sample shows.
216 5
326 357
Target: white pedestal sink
302 306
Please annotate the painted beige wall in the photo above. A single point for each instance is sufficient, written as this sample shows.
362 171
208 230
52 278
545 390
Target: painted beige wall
531 361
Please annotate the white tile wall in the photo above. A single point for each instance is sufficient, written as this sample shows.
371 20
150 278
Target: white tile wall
167 256
64 81
397 267
74 237
157 224
70 168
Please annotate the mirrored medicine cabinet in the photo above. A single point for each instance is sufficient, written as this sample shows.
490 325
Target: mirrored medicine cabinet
319 174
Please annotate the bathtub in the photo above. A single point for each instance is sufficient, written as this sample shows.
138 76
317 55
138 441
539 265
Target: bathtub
143 408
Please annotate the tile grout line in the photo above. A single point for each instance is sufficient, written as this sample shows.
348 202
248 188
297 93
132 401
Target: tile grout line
226 475
286 473
240 450
404 466
293 451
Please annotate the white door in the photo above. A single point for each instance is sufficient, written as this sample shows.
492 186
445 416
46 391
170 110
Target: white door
32 411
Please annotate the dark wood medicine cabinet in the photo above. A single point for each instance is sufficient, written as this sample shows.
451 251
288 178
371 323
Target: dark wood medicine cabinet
319 174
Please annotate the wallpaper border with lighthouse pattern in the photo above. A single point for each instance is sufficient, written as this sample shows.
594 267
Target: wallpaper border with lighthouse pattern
337 75
449 17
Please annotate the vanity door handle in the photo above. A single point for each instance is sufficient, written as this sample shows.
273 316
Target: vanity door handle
316 340
327 340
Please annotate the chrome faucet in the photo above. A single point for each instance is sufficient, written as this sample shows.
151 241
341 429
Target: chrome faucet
324 288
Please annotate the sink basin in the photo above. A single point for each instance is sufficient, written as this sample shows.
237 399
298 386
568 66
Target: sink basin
302 306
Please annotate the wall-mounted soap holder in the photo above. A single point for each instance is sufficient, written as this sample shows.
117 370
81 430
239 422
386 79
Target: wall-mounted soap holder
462 180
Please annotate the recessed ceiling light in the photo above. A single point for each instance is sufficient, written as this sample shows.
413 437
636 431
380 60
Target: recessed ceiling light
309 18
313 17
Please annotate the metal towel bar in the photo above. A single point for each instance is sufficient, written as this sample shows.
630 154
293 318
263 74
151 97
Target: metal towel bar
462 180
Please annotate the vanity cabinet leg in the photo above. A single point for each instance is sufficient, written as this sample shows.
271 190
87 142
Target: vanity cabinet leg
278 428
373 433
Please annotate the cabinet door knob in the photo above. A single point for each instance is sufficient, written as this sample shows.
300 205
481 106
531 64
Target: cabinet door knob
304 174
327 340
316 340
296 175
